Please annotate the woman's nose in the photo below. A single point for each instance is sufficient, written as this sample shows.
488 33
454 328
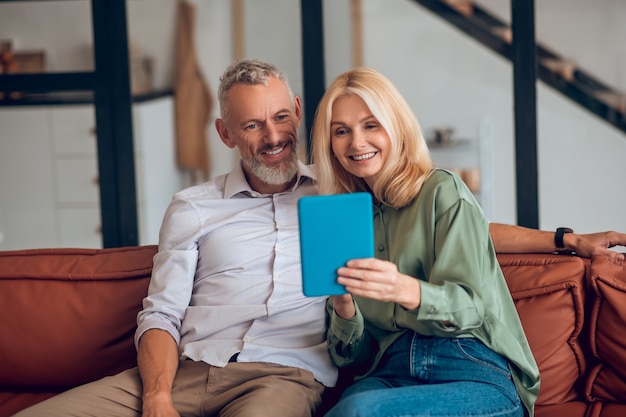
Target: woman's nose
358 139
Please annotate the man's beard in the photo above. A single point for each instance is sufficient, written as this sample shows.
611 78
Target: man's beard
278 174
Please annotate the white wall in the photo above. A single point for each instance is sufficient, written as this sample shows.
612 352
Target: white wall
449 79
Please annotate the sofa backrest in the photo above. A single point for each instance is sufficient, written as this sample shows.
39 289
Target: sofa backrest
549 294
67 316
607 332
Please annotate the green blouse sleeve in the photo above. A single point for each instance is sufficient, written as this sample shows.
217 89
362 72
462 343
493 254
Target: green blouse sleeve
348 342
464 261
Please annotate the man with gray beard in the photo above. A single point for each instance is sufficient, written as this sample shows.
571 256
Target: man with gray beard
225 329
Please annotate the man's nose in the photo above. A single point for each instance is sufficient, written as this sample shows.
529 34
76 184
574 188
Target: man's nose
272 133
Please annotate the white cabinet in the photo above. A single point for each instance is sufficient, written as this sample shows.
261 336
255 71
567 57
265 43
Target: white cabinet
49 195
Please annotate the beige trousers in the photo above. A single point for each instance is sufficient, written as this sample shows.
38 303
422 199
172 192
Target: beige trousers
239 389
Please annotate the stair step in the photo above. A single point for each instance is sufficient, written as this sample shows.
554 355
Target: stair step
504 33
465 7
566 68
614 99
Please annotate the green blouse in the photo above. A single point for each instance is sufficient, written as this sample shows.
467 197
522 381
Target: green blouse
441 238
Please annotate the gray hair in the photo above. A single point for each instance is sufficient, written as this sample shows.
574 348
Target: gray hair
248 72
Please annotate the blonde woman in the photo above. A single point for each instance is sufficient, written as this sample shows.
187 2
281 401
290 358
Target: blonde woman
429 325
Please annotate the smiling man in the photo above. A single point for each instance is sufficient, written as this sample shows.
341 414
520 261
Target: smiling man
225 296
263 125
225 328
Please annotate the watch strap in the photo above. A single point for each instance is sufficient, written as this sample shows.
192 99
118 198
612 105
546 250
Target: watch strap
558 237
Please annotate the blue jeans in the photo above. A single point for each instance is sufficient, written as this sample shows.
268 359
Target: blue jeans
432 376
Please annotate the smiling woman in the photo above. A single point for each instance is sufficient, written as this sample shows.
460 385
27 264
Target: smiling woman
381 111
435 292
358 141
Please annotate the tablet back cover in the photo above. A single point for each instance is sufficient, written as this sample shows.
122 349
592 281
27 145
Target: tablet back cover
333 230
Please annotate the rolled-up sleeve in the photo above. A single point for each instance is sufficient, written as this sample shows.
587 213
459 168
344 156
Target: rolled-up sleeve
173 272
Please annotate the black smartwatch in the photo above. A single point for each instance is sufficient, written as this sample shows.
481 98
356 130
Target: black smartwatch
558 239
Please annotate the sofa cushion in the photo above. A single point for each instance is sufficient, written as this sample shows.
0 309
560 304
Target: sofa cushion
569 409
549 294
68 315
602 409
607 337
12 402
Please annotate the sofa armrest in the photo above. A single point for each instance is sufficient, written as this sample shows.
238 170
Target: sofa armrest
69 315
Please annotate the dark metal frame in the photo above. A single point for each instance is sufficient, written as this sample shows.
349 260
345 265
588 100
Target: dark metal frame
525 112
313 65
112 97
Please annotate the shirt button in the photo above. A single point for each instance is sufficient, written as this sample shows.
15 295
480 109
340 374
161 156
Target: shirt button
381 248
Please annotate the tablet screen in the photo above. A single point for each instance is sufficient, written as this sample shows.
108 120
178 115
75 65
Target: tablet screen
333 230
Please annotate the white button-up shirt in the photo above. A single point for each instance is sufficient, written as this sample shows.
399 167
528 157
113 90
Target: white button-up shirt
227 278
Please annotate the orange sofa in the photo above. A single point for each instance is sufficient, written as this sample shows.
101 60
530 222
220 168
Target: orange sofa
67 316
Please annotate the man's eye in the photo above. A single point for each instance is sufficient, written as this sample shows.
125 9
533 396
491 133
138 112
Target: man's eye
282 116
251 126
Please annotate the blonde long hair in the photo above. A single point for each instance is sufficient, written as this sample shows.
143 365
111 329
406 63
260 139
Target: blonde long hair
409 161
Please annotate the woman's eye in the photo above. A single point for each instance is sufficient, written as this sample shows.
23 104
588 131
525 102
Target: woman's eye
340 132
371 126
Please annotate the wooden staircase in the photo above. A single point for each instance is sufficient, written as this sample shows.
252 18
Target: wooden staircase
563 75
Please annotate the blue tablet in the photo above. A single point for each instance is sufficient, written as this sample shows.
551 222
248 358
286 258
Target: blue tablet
333 230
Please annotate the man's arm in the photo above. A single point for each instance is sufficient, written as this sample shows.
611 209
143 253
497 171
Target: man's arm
516 239
157 360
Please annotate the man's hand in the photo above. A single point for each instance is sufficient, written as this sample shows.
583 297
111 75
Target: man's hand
592 244
516 239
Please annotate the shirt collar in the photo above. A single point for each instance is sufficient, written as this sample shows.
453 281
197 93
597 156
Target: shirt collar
236 180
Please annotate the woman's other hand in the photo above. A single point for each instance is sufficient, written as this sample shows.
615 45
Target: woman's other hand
344 306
